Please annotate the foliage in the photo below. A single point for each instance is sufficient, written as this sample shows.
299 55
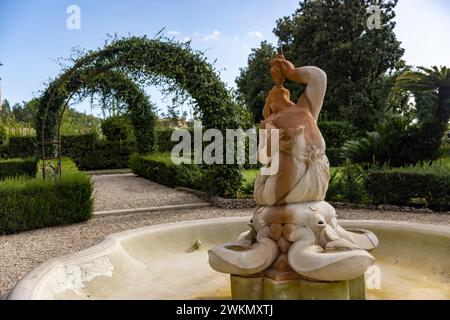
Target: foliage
27 204
430 81
333 35
249 181
158 167
384 145
156 62
88 151
426 184
91 153
75 122
3 135
5 112
19 147
347 184
111 85
25 112
254 81
398 142
117 129
18 167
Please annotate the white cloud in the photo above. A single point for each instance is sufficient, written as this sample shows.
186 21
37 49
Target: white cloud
236 38
173 33
187 39
255 34
214 36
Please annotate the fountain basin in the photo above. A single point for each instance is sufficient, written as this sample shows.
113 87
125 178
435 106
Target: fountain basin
171 262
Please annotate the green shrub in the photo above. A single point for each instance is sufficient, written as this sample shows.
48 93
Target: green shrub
159 167
91 153
3 134
335 156
423 184
27 204
347 184
21 147
118 129
18 167
396 142
163 138
249 181
336 133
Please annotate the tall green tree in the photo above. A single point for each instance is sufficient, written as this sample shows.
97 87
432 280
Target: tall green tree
5 112
434 83
254 80
334 35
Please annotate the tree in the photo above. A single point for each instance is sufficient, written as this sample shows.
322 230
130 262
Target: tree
333 35
254 81
118 129
75 122
434 84
25 112
6 111
400 142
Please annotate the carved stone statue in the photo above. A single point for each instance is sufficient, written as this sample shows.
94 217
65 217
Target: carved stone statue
294 232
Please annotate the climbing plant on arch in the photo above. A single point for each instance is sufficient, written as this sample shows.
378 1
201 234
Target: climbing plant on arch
149 61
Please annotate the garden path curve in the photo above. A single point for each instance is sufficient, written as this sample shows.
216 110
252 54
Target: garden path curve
113 192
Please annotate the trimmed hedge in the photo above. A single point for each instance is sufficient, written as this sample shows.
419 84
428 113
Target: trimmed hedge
158 167
20 147
417 185
91 153
27 204
88 151
18 167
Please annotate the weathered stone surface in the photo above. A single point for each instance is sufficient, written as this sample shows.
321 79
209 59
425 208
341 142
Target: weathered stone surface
246 288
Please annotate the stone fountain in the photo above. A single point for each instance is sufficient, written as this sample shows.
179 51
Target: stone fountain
295 248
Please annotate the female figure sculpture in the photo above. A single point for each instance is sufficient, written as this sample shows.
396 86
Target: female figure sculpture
303 166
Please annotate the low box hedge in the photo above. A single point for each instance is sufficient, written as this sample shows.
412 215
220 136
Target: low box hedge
420 185
30 203
18 167
159 168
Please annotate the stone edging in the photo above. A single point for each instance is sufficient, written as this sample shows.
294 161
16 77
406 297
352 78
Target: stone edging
226 203
195 205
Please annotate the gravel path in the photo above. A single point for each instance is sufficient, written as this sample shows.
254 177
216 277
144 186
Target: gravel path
127 191
20 253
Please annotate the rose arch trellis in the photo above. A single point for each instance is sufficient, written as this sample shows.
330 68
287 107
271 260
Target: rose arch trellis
149 61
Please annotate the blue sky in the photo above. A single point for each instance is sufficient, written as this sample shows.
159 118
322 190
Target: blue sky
33 33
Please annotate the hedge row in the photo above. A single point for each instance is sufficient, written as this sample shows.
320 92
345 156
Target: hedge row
30 203
88 151
18 167
158 167
91 153
19 147
417 186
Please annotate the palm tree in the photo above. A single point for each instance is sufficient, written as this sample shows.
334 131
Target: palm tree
432 80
